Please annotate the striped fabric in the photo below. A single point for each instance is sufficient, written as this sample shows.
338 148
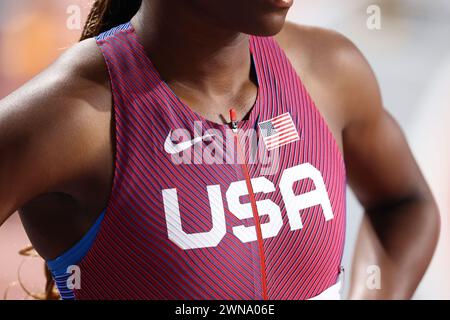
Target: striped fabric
60 266
141 252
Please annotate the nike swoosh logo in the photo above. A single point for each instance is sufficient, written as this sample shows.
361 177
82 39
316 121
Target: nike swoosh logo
172 148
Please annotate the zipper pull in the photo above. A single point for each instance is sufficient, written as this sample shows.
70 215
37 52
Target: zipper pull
234 121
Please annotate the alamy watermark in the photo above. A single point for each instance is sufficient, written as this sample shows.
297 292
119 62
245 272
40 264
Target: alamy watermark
374 17
373 280
74 280
216 147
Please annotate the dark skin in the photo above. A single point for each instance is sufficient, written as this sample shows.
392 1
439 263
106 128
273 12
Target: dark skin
57 141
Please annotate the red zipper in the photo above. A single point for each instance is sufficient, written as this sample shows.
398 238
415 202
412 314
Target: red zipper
244 166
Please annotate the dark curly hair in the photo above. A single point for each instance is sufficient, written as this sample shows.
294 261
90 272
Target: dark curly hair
106 14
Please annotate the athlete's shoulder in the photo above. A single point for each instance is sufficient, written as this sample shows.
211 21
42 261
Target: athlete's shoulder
69 94
77 73
83 62
322 51
327 61
54 118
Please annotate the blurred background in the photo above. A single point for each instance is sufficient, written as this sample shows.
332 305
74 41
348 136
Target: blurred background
409 52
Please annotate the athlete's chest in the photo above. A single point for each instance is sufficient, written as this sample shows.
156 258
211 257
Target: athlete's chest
207 180
201 181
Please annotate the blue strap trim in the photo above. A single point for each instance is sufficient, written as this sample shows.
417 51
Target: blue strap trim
113 31
73 256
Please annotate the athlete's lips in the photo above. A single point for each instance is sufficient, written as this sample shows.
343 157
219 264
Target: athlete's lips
283 4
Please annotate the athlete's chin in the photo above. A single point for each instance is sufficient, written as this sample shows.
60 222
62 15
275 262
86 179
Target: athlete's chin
269 26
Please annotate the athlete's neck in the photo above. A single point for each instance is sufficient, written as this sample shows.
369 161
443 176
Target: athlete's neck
192 53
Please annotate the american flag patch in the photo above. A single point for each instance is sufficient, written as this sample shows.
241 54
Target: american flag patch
279 131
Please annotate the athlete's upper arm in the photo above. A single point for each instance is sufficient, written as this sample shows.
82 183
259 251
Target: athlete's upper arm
381 168
44 128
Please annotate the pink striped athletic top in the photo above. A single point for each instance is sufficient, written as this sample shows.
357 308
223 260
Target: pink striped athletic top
195 212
